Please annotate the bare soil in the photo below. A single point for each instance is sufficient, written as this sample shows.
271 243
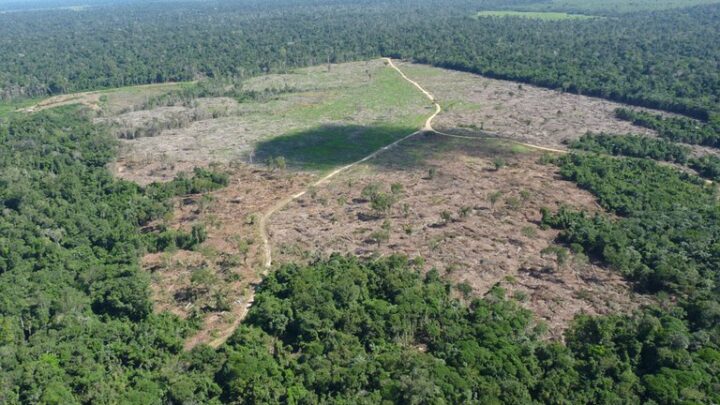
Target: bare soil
473 104
231 256
483 243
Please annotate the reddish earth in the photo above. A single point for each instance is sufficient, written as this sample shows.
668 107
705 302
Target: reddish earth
231 257
470 208
481 243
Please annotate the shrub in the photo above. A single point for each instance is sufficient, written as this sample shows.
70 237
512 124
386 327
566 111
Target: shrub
396 189
369 191
498 163
445 217
494 197
432 172
465 289
382 202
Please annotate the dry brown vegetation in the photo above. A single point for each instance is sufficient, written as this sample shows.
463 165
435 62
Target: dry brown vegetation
152 122
473 104
360 94
474 223
212 282
469 208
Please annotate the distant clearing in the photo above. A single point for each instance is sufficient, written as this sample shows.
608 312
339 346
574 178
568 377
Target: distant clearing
110 101
535 15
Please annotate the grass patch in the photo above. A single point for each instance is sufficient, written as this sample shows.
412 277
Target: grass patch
385 96
612 7
518 148
329 146
536 15
355 120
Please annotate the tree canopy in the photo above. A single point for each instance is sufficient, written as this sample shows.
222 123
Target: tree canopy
662 59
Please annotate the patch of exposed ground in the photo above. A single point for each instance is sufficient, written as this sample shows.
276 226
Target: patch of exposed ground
473 223
211 283
476 105
473 104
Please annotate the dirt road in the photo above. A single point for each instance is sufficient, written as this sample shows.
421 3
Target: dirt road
438 109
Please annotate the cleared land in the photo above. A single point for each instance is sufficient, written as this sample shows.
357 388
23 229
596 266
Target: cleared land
476 225
475 105
450 206
478 106
213 283
471 222
611 6
317 119
538 15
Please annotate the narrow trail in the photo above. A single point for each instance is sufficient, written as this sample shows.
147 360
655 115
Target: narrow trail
265 217
90 99
262 225
438 109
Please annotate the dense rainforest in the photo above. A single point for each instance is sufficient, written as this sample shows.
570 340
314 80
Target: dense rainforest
664 237
75 311
707 166
665 59
676 129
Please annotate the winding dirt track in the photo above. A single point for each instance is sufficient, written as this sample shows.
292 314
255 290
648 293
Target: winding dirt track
267 251
262 223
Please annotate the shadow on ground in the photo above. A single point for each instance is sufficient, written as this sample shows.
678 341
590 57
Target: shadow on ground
418 150
330 146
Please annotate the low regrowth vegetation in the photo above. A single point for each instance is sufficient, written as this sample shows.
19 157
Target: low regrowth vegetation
633 146
677 129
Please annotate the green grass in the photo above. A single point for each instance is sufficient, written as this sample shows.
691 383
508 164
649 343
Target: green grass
518 148
339 126
326 147
551 16
387 94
